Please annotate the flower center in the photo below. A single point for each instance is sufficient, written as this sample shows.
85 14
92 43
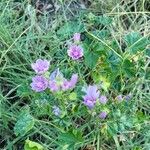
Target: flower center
76 53
39 84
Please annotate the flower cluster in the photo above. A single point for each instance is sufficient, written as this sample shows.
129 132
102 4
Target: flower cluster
55 82
75 50
120 98
92 95
58 82
39 82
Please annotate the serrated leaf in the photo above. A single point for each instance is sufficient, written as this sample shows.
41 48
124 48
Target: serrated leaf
113 66
114 62
91 59
23 90
71 138
104 20
24 123
129 68
135 42
30 145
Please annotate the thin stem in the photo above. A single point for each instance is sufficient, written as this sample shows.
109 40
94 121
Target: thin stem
95 37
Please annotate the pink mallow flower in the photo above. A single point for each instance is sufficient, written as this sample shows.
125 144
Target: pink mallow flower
66 85
103 115
90 103
128 97
58 82
119 98
39 83
53 86
92 94
103 99
76 37
75 52
74 80
70 84
40 66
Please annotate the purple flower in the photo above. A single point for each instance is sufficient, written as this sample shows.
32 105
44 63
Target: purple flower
70 84
76 37
66 85
89 102
128 97
103 99
103 115
53 86
56 111
56 75
119 98
41 66
92 94
74 80
58 82
75 52
39 83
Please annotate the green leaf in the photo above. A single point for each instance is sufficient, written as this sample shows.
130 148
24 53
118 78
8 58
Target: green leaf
148 52
104 20
30 145
24 123
113 66
73 96
112 129
99 20
71 138
114 62
140 116
23 90
135 42
129 68
98 78
91 59
115 45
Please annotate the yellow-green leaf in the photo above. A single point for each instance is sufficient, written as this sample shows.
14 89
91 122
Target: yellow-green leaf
73 96
30 145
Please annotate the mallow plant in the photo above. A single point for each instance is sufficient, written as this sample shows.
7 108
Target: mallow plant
80 109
